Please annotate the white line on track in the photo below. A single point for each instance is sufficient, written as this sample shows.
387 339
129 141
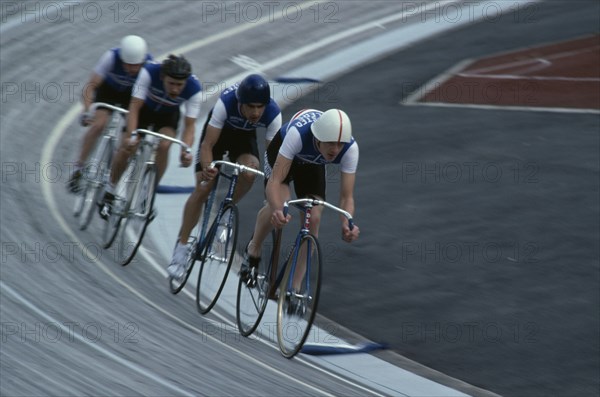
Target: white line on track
132 366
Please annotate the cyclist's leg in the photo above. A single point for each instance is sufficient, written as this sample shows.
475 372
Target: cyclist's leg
246 179
243 149
193 207
194 203
101 118
162 153
119 162
263 226
165 124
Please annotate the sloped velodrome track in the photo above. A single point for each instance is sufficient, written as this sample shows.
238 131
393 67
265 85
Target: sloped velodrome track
75 323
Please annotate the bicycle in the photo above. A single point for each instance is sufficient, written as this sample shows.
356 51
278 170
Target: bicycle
134 197
217 250
97 170
297 306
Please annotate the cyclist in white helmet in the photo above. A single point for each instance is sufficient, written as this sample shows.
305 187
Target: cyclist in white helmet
299 153
111 82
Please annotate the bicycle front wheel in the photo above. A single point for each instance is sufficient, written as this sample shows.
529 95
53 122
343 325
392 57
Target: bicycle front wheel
298 295
138 217
253 294
217 257
94 174
177 284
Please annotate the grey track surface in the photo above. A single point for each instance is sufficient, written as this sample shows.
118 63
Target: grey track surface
518 317
490 278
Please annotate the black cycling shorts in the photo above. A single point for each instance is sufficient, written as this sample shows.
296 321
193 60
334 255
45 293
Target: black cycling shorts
234 140
107 94
309 179
149 119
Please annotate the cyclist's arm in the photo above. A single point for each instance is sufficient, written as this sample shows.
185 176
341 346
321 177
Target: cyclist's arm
105 64
135 105
347 194
89 91
347 204
277 191
211 136
189 129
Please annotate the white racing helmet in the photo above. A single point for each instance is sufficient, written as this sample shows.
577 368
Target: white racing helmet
333 126
133 49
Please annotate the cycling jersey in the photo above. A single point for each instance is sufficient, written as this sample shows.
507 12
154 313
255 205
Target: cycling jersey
149 87
227 111
110 68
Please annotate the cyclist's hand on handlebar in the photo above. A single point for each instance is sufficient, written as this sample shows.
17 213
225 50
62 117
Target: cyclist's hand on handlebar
350 235
279 220
208 173
186 158
131 142
86 119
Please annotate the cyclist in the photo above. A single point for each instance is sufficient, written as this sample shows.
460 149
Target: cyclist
231 126
158 92
111 82
299 153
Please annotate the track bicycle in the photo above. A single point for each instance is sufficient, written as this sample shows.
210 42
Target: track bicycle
97 170
133 207
300 281
218 248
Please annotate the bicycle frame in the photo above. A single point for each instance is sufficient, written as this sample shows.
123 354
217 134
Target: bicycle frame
297 304
233 180
203 228
97 169
306 205
219 247
142 163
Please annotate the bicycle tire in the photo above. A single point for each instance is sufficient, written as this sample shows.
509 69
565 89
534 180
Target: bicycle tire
252 301
93 185
293 323
138 217
217 257
123 196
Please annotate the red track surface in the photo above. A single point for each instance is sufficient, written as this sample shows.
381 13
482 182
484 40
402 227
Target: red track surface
560 75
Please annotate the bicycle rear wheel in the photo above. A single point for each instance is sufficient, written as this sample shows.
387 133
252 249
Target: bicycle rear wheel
296 308
252 299
94 174
217 257
138 217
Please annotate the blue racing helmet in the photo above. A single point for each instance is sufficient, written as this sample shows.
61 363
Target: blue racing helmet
253 89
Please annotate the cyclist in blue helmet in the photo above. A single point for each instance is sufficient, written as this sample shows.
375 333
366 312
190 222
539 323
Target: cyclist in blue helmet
231 127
